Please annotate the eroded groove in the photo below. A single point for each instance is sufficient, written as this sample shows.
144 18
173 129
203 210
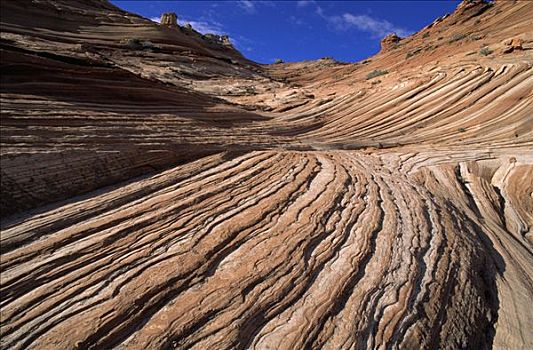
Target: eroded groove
182 196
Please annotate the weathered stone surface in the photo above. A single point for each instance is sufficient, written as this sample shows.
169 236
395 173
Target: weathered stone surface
219 39
512 44
390 41
186 197
169 19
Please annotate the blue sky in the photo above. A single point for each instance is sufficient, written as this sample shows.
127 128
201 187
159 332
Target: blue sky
300 30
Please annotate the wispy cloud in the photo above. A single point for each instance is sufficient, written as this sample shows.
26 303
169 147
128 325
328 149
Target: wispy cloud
248 6
206 27
252 7
304 3
203 27
296 21
377 28
242 43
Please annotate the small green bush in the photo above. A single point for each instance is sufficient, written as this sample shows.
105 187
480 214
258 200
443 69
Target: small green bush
426 35
278 61
412 53
138 44
485 51
376 73
457 37
133 42
148 45
461 129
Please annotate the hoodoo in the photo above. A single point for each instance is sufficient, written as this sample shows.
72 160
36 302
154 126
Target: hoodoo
389 42
169 19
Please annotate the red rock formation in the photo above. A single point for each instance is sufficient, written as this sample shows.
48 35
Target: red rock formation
390 42
174 194
169 19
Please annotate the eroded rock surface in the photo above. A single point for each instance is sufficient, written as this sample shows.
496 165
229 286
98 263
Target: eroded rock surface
174 194
169 19
389 42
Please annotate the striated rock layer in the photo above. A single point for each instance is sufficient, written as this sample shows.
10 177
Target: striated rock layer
159 190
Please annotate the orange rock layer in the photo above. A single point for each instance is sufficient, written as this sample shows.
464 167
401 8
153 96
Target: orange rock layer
159 190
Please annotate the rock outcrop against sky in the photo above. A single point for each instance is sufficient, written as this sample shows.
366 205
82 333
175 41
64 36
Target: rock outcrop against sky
160 190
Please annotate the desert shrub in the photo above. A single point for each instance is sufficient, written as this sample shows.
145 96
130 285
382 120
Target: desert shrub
412 53
133 42
278 61
426 35
148 45
461 129
457 37
485 51
376 73
138 44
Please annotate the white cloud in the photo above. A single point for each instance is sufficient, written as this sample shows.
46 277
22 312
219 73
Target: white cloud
296 21
304 3
378 28
247 5
252 7
205 27
242 43
155 19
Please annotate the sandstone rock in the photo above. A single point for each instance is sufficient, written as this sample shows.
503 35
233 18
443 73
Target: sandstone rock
470 3
154 210
469 9
218 39
169 19
390 42
512 44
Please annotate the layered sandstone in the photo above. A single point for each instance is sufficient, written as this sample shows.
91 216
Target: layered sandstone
390 41
173 194
169 19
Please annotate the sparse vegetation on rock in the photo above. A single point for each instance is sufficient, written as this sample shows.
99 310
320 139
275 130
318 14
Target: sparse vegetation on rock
376 73
138 44
485 51
412 53
191 198
457 37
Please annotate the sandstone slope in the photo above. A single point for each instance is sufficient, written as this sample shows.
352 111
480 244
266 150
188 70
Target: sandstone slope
159 190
